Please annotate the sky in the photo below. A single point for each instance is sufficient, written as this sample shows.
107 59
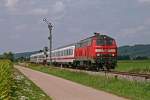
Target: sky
22 28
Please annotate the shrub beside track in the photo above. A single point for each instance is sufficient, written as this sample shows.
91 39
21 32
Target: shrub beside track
5 79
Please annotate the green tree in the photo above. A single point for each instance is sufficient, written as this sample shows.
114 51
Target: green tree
8 55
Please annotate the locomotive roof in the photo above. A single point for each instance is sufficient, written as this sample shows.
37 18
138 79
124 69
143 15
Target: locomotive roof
73 44
96 36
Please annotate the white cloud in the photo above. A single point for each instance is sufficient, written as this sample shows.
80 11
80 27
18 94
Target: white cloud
39 11
147 21
134 30
144 1
58 7
14 36
1 20
21 27
34 11
11 3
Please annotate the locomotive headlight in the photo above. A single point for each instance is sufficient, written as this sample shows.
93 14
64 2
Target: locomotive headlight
113 55
98 55
99 50
111 50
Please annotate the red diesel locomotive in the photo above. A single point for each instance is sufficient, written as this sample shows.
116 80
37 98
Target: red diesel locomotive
96 52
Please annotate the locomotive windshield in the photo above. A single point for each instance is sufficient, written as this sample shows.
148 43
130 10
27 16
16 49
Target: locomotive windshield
104 40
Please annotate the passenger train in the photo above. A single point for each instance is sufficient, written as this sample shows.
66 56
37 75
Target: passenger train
95 52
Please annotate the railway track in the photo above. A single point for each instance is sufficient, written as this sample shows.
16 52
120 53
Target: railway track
117 74
146 76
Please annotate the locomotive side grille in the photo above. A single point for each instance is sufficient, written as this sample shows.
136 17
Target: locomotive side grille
106 56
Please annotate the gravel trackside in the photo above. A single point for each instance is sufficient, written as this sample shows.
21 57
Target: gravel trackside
61 89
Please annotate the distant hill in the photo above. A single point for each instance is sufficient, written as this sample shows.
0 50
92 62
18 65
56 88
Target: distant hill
131 51
24 54
135 51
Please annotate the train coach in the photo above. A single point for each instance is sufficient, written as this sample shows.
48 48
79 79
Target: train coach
96 52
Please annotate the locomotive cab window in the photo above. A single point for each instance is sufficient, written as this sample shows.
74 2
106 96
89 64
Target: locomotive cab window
104 40
84 43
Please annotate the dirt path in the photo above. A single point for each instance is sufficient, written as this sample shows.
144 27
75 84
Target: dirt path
61 89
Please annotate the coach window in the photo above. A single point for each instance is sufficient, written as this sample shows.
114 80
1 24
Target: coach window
58 53
65 52
68 51
71 51
61 53
54 54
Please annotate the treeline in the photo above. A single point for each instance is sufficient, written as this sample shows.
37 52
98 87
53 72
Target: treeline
127 57
8 56
11 56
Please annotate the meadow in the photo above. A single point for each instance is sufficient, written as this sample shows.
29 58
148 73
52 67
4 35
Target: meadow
129 89
139 66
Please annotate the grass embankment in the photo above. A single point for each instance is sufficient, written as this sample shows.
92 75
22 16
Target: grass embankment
132 90
5 79
24 89
140 66
15 86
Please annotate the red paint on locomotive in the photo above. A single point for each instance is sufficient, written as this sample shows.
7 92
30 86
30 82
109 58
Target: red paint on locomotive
98 49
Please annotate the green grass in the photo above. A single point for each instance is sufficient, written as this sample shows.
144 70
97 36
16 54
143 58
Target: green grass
5 79
140 66
133 90
24 89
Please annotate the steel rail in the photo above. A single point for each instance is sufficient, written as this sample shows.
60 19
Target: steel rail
146 76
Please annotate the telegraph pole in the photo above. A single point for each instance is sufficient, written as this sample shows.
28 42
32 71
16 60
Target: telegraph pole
50 38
